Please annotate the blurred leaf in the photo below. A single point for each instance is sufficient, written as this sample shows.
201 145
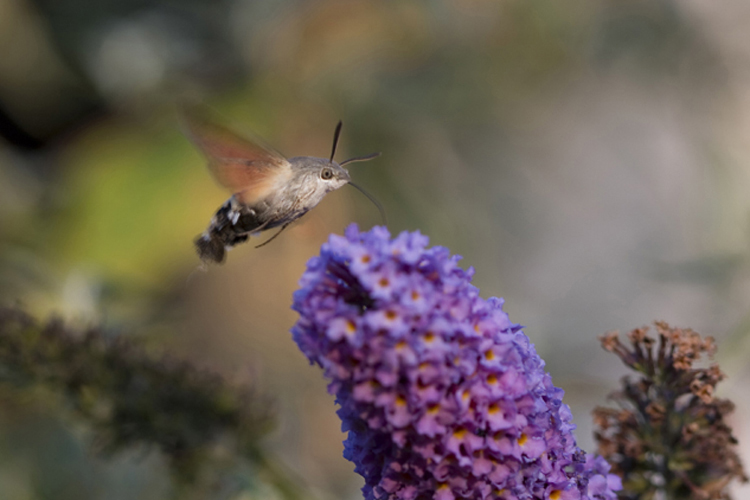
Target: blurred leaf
136 197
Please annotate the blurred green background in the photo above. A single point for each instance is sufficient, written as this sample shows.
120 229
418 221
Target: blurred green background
590 159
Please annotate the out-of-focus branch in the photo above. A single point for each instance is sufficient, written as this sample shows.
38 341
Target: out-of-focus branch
204 425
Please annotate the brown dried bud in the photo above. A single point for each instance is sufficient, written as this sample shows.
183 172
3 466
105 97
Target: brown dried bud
704 391
638 335
610 341
656 411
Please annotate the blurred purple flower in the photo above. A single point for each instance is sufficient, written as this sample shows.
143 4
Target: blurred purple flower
442 396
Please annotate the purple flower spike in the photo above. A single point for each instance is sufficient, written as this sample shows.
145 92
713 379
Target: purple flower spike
442 396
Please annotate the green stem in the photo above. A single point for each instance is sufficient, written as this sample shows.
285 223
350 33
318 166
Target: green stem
288 483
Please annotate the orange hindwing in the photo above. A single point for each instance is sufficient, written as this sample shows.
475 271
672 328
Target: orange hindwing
245 167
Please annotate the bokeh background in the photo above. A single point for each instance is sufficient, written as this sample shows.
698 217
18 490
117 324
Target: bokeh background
590 159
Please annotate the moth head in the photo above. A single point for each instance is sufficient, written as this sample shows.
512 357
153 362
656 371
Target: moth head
333 175
324 174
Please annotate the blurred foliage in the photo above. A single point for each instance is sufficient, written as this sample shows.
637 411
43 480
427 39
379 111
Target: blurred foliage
462 71
208 428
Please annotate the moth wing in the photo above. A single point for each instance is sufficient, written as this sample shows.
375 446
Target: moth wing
250 181
244 166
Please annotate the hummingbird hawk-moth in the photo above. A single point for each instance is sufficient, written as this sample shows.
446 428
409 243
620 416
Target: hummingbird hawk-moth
268 190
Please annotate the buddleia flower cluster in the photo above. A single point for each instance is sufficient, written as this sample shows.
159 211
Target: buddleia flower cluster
443 397
668 436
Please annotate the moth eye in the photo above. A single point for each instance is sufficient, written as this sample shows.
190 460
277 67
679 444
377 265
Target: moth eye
326 174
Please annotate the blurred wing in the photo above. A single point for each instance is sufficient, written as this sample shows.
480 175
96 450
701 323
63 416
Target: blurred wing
241 165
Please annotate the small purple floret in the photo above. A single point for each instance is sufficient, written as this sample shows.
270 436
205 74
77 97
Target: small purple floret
442 395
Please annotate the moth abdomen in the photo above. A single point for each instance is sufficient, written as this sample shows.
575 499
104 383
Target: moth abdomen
230 226
210 248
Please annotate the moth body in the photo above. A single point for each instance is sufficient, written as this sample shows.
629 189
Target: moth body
293 194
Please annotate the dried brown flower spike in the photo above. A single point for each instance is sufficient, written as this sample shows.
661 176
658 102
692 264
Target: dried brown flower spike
668 438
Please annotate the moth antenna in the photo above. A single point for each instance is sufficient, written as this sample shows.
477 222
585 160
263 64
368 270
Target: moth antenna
360 158
373 200
336 135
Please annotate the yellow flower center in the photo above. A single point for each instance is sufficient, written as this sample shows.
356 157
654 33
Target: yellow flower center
522 439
